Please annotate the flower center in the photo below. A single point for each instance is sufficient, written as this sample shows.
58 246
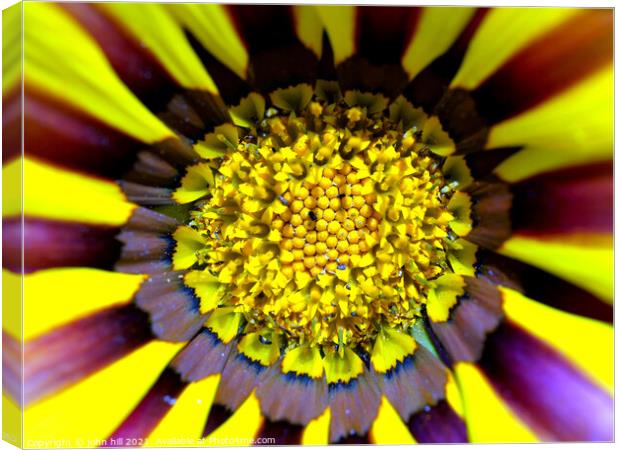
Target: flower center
327 224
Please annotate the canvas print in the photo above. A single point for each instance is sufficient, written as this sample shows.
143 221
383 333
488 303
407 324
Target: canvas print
306 224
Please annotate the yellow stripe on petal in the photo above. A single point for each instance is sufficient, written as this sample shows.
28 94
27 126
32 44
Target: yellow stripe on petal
241 428
388 428
309 27
88 412
54 193
12 304
453 395
436 31
214 28
12 430
12 188
57 296
587 343
184 423
317 431
11 47
488 419
339 22
153 26
584 260
64 61
572 128
503 32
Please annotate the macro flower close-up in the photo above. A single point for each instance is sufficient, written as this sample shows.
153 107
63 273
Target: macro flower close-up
306 224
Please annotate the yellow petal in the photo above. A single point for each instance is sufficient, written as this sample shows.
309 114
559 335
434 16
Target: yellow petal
109 396
11 421
573 128
388 428
214 28
586 342
12 304
488 419
308 27
317 431
339 22
241 428
584 260
155 28
436 31
12 188
184 423
56 296
64 61
11 47
503 32
54 193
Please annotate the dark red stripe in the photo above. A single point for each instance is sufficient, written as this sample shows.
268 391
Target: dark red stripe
63 135
571 200
279 433
134 64
149 412
438 424
427 88
354 439
541 286
381 37
382 33
54 243
231 87
11 125
217 416
548 65
482 164
71 352
277 56
555 399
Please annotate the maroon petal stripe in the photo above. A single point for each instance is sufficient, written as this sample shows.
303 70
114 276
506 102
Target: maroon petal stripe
60 134
134 64
73 351
149 412
277 56
56 243
554 398
11 125
571 200
438 424
541 286
279 433
548 65
381 36
427 88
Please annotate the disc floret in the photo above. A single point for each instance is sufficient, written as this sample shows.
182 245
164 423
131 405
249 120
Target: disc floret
327 225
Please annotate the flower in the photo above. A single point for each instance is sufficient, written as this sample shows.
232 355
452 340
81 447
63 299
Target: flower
311 224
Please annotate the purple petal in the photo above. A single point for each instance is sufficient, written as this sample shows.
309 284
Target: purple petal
554 398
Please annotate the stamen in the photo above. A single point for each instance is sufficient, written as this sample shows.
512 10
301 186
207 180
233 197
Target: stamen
352 219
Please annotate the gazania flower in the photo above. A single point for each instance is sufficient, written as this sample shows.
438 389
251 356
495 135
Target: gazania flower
309 224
